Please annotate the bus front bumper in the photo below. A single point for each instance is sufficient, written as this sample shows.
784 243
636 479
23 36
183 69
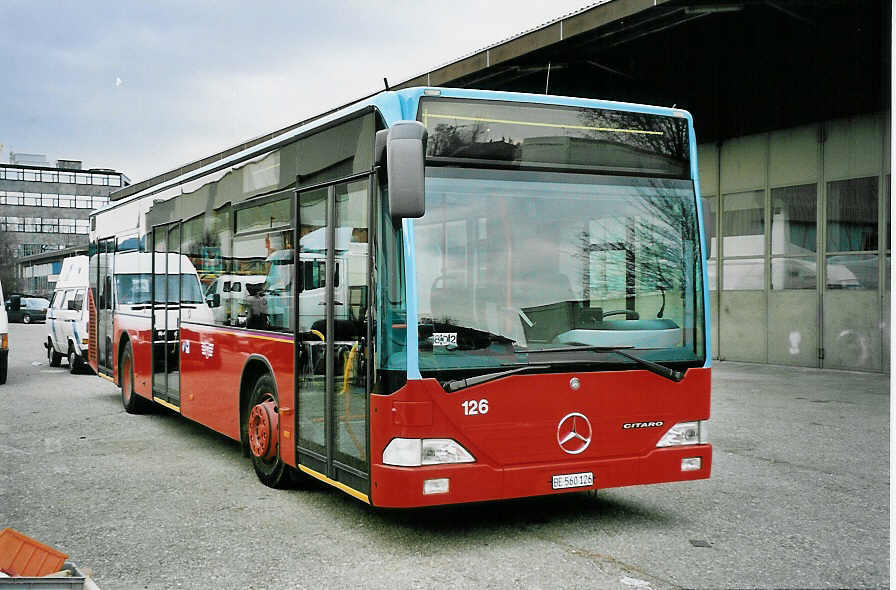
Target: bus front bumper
406 487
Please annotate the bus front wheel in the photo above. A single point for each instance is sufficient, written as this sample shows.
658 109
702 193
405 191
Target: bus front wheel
263 429
133 403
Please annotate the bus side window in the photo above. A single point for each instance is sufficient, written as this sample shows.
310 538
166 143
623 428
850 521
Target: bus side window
57 299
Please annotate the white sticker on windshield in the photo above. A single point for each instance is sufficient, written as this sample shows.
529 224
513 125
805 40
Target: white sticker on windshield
444 338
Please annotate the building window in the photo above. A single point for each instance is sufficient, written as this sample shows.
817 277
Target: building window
852 234
852 215
794 235
743 241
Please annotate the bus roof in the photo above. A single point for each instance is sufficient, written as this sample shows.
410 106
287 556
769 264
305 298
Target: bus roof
392 105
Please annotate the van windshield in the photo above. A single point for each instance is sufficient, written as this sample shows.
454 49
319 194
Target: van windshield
135 289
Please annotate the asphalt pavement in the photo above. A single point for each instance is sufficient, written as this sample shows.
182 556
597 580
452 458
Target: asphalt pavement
798 498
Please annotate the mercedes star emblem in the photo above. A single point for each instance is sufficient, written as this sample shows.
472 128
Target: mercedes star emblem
574 433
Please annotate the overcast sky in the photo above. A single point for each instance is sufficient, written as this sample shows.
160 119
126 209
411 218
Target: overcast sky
143 87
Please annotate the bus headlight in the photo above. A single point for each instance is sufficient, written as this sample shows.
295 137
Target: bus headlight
414 452
685 433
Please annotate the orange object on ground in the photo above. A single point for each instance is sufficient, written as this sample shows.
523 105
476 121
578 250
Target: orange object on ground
21 555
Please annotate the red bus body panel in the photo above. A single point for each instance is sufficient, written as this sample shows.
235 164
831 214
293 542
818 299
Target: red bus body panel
139 334
516 444
212 360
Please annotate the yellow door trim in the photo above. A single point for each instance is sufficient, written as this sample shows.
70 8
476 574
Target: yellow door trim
336 484
162 402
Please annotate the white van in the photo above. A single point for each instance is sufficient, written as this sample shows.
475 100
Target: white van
228 297
4 340
67 316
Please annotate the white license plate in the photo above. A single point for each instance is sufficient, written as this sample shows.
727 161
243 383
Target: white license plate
572 480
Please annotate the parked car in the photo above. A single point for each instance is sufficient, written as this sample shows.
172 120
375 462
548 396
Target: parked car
4 341
67 317
26 309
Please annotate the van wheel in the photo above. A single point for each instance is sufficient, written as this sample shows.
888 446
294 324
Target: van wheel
133 403
74 361
54 358
26 318
262 426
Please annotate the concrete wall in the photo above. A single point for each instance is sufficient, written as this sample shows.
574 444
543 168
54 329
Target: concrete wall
785 289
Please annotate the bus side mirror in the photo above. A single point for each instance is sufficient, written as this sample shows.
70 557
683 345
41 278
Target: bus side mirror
405 153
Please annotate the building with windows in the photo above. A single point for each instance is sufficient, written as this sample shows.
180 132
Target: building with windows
45 209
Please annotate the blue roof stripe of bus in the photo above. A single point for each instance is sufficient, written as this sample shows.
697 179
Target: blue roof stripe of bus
704 252
410 285
410 99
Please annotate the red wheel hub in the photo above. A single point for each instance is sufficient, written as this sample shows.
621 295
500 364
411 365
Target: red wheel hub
264 423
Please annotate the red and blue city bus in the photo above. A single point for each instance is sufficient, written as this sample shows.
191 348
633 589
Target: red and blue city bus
430 296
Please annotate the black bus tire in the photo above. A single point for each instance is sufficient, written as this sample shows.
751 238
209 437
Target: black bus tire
133 403
4 364
272 472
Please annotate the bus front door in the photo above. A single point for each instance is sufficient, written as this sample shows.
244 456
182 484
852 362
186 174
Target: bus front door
104 328
166 315
332 380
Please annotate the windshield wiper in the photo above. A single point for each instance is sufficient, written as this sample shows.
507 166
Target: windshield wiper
656 368
478 379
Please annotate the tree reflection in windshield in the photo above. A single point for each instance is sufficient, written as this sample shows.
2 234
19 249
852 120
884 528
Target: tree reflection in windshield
545 259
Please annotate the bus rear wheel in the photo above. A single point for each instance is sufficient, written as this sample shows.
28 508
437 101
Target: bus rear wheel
133 403
263 429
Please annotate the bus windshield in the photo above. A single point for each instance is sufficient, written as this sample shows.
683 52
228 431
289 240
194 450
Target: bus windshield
513 261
